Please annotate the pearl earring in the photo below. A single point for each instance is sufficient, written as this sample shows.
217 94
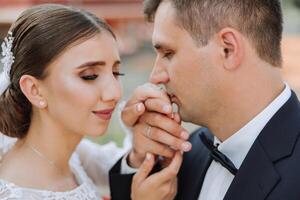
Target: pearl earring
42 103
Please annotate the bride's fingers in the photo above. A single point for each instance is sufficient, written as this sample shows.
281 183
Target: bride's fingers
142 143
177 118
167 139
158 105
147 91
131 114
165 123
144 170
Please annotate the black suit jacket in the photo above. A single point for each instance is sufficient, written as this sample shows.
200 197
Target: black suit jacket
270 171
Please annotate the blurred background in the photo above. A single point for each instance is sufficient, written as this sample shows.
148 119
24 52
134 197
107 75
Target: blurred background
134 38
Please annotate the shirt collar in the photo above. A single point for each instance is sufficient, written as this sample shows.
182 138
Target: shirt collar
238 145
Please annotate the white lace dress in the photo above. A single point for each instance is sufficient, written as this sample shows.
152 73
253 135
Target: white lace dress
89 160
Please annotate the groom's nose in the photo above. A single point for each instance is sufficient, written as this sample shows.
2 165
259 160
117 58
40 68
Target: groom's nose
159 74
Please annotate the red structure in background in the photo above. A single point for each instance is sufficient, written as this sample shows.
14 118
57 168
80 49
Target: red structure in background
125 17
85 2
110 8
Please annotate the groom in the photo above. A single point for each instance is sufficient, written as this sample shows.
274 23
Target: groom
220 63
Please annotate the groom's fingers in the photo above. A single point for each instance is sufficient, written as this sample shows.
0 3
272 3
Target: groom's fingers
131 114
144 170
170 172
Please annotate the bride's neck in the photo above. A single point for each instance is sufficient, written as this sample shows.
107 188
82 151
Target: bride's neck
51 140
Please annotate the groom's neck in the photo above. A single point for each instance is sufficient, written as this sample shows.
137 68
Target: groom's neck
243 103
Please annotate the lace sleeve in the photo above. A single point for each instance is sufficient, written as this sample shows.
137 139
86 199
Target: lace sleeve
9 192
97 160
5 144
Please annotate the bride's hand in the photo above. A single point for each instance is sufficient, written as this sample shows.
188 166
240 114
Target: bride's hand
135 106
151 106
159 186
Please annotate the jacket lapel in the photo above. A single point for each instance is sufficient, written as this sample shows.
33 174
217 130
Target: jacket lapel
193 170
257 175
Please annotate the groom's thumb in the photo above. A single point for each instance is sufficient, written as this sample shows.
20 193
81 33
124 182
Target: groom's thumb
144 169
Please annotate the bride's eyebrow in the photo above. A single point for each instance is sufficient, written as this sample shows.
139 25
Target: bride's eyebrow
92 64
97 63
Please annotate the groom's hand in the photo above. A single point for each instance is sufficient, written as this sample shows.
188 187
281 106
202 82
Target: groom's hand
155 128
159 186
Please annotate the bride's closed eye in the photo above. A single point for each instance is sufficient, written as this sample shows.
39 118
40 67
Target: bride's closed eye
89 77
94 76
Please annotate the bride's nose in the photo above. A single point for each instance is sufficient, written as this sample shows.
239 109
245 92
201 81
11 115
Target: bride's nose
111 90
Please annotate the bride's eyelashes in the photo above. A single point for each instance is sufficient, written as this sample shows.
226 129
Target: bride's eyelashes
89 77
94 76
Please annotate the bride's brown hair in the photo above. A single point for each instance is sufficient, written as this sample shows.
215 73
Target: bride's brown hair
40 34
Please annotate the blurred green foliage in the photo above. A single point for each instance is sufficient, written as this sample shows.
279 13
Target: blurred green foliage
297 3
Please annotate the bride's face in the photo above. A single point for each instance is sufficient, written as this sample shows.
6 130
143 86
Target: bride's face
83 87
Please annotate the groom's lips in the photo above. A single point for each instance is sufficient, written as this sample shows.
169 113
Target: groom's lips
173 98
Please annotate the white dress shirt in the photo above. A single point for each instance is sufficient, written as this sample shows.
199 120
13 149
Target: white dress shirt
218 179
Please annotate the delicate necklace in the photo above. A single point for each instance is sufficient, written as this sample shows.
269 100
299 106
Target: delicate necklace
38 153
69 178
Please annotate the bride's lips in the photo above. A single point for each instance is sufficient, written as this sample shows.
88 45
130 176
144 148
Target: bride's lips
104 114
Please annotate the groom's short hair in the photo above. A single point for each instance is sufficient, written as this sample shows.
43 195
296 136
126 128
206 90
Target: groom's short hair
259 20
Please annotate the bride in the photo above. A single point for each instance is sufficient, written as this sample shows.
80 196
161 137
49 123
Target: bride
60 82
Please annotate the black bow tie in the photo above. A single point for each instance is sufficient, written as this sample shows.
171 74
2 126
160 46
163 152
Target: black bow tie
217 155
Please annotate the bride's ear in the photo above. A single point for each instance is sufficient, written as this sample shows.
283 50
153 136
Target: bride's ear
31 88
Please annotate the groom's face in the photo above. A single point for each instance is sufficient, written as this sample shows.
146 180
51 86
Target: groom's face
187 69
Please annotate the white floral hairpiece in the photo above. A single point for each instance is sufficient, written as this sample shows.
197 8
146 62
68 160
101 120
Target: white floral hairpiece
7 60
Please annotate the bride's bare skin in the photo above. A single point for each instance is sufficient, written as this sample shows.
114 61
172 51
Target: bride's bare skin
58 126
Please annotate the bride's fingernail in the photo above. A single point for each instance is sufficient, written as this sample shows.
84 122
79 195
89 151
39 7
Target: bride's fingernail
148 156
139 107
184 135
186 146
167 108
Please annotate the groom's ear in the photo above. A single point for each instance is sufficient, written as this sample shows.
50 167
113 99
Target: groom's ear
31 88
232 45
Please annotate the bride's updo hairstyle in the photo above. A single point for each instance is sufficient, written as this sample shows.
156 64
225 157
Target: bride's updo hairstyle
40 35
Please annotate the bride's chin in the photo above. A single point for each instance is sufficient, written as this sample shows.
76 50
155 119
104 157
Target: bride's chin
100 131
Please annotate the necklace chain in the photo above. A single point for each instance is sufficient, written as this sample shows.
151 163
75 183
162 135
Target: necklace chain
70 178
41 155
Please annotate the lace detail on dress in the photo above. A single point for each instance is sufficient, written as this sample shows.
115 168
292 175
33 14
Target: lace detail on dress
8 191
85 191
